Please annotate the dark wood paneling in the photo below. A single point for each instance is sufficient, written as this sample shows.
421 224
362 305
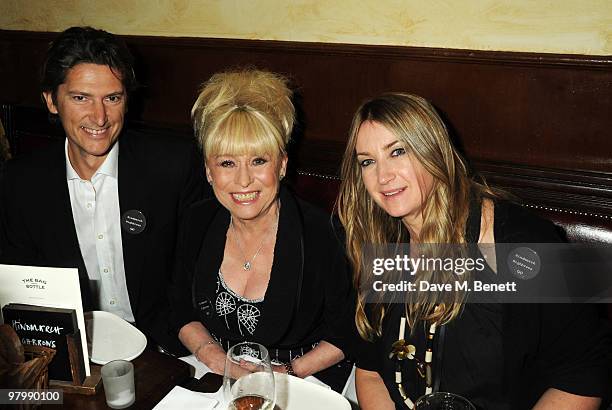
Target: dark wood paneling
21 54
536 124
541 110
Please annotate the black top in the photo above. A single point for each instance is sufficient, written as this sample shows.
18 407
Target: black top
241 315
502 356
308 298
157 175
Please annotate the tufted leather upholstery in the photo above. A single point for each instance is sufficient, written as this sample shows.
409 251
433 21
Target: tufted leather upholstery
576 226
321 190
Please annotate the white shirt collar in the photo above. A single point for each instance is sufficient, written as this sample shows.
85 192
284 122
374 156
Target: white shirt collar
109 167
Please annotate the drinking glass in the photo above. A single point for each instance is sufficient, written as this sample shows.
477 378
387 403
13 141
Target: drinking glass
443 401
118 381
248 380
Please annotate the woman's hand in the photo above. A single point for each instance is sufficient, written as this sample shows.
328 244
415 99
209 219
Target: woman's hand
279 368
371 391
321 357
198 340
213 356
324 355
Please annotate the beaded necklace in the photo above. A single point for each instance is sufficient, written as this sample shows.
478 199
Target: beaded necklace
402 351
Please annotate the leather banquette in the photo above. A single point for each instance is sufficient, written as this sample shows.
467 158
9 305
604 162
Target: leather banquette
575 224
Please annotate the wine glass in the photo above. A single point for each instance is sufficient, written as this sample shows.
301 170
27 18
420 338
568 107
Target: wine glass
443 401
248 380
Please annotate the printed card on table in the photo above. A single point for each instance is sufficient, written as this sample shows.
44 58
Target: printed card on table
51 287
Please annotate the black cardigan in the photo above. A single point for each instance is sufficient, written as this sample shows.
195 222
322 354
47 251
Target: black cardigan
505 356
309 296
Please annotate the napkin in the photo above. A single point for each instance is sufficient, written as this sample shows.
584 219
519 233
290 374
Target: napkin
200 368
316 381
181 398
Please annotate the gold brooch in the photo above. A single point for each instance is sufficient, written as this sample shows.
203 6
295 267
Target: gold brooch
401 350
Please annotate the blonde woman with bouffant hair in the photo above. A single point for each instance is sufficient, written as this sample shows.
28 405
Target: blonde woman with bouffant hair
257 263
404 182
244 110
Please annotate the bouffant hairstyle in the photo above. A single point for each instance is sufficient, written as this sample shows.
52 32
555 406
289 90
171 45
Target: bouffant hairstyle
244 111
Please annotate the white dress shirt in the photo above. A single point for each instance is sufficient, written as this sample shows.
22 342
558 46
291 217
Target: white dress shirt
97 219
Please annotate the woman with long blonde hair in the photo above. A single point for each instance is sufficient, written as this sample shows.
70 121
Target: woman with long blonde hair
403 181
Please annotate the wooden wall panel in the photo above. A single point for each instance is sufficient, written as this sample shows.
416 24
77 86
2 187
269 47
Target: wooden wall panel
538 124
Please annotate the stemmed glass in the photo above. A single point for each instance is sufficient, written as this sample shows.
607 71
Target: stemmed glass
443 401
248 380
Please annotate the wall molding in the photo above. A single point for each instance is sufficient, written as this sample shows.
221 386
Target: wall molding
338 49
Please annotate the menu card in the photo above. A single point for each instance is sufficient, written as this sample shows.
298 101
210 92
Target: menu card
46 327
42 286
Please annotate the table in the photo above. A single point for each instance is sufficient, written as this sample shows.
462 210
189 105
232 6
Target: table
209 383
155 374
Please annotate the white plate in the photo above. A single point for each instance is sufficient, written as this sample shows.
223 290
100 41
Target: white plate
293 393
111 338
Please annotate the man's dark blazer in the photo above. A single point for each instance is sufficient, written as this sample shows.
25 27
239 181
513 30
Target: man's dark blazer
158 176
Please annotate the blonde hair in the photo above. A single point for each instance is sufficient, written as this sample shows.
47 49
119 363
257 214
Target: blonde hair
418 127
244 111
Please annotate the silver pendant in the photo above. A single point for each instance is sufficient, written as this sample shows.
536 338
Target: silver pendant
247 265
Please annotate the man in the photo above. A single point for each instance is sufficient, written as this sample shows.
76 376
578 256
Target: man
106 201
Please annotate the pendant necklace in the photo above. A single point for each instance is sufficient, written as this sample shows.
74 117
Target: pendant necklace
401 351
248 263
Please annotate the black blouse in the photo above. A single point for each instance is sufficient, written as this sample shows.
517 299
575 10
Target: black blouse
309 296
503 356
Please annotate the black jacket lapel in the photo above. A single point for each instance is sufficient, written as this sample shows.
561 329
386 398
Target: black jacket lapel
132 196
